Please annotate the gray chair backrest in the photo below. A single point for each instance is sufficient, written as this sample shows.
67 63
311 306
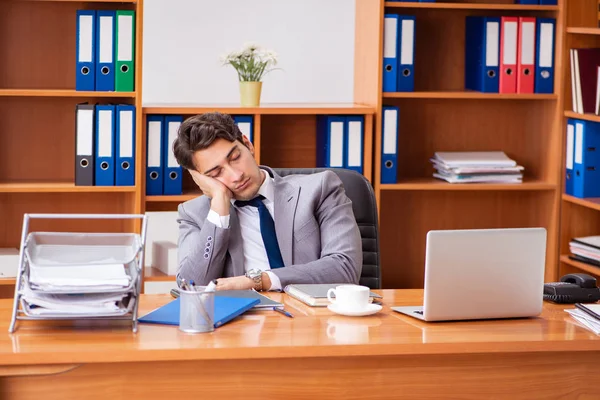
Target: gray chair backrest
364 205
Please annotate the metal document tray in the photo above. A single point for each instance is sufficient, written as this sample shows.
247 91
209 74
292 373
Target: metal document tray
43 249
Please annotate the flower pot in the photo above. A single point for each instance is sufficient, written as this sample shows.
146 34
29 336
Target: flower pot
250 94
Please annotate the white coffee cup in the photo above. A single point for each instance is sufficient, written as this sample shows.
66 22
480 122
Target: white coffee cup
349 297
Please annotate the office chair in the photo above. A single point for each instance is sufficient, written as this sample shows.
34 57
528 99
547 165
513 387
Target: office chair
364 205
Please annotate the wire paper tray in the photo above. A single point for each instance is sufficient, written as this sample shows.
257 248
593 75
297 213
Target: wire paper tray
41 250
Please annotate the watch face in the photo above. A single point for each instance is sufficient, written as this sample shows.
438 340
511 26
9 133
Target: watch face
253 273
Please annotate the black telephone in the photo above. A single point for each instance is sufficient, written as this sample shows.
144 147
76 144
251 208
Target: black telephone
573 288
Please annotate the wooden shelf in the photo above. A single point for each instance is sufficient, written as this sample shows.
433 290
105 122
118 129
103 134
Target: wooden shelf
584 31
61 92
436 184
467 95
187 109
83 1
8 281
59 187
470 6
586 117
152 274
580 265
593 203
174 198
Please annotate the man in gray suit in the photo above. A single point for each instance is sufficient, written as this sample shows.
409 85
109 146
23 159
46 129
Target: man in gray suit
253 228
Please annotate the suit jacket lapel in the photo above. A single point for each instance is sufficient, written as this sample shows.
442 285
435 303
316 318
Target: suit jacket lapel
286 200
236 250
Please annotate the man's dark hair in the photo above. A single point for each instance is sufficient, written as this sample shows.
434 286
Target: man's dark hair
199 132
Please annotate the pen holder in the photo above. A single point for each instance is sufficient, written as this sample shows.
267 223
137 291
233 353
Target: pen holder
196 310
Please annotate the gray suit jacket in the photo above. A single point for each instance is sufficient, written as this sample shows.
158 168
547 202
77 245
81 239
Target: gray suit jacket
316 230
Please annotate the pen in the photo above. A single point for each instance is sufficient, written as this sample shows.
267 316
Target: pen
282 311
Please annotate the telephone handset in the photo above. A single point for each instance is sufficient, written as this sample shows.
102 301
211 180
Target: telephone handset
573 288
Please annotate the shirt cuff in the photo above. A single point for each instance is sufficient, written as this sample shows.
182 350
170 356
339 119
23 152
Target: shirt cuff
275 282
220 221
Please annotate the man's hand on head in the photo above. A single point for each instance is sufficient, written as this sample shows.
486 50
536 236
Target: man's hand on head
219 194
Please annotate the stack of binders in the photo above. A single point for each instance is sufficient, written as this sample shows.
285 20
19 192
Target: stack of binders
340 142
163 172
476 167
398 53
585 80
509 54
105 50
582 175
105 145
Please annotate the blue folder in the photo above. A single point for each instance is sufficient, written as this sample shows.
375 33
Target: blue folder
226 309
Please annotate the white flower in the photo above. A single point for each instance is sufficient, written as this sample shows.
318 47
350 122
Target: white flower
250 47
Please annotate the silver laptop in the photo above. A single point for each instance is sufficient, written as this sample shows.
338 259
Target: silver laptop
482 274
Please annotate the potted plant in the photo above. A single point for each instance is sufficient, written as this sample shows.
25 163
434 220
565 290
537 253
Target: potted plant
251 64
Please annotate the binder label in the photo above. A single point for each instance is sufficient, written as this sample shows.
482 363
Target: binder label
125 47
86 23
105 131
510 43
389 38
126 142
408 33
85 138
491 45
546 40
389 132
154 143
106 39
172 135
354 140
570 146
528 45
336 148
578 143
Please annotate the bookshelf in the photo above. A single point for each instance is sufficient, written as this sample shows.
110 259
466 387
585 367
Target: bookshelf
440 115
579 216
37 135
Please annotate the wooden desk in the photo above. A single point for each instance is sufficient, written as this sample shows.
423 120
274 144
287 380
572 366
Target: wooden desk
317 354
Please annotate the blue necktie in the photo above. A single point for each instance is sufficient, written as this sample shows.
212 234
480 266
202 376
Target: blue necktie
267 231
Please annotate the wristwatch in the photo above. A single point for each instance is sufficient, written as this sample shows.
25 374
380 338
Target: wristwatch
256 276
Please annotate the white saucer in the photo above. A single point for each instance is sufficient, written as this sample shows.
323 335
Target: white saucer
368 310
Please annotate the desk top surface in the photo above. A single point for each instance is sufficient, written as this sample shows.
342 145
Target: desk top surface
313 332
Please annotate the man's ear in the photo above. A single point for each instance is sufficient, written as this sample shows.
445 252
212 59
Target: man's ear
248 144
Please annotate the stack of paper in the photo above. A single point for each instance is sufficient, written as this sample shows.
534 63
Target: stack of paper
70 278
476 167
586 249
73 290
39 303
588 316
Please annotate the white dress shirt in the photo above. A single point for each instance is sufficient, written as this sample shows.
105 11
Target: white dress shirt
255 255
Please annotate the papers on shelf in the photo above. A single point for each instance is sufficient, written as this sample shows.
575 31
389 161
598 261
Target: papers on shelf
476 167
73 277
586 249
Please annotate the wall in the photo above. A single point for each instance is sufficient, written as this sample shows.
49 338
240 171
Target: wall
184 39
